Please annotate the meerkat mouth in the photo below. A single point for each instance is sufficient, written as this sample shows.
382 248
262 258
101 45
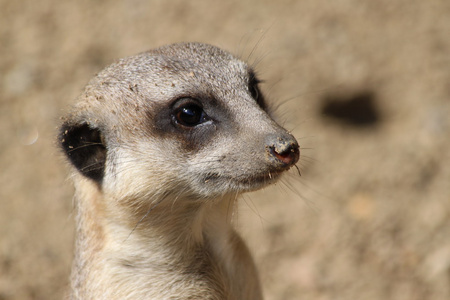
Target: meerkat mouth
244 183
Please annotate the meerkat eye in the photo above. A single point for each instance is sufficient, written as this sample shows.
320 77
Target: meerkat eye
189 114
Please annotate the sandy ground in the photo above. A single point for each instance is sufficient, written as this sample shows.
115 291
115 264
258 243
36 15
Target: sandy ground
364 85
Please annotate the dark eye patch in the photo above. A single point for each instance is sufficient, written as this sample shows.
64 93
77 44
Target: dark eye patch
253 88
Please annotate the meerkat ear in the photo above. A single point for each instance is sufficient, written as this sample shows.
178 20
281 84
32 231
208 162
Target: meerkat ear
85 148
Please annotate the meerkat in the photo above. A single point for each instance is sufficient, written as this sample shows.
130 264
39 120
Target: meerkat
162 144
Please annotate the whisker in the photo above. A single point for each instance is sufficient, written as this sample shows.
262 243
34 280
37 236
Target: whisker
311 204
256 46
88 144
253 208
298 170
309 158
91 166
145 216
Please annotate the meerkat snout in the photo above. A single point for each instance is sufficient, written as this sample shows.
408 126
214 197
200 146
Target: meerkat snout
162 143
284 149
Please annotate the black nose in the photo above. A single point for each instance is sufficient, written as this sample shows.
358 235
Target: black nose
283 150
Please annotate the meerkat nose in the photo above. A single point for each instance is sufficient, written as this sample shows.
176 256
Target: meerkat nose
284 149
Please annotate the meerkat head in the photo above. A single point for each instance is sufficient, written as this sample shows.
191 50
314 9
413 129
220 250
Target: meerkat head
186 120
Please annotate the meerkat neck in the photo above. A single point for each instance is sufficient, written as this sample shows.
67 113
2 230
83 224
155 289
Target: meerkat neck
168 237
189 223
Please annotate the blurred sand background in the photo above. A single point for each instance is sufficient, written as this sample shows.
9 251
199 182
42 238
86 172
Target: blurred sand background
364 86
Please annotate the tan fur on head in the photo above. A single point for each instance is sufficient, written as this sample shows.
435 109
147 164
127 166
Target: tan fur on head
162 143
